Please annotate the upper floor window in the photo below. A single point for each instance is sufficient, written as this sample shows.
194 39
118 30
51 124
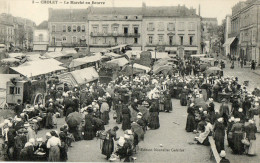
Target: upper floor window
83 28
40 37
191 40
160 39
64 28
74 28
150 39
160 26
150 27
181 26
171 27
69 28
192 26
126 17
105 30
95 29
78 29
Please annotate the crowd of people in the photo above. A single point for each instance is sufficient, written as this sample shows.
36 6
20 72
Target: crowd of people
136 104
237 121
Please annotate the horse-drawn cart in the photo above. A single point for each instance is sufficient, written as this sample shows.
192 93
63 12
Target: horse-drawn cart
27 91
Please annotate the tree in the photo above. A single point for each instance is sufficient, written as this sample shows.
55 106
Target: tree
21 35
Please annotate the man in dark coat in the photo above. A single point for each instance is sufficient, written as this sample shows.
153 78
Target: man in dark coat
224 111
18 109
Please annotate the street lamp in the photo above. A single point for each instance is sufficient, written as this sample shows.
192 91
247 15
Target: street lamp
132 63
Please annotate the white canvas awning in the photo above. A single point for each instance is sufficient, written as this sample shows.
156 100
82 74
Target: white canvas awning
229 41
159 55
119 61
81 61
79 77
39 67
142 67
15 55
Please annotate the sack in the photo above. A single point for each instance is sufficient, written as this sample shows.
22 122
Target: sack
245 141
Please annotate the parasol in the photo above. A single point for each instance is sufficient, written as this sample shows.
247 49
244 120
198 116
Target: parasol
74 119
137 129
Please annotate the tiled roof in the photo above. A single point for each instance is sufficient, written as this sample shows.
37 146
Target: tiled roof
173 11
67 15
43 25
115 10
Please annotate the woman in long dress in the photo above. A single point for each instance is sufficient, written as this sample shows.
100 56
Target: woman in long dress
154 116
119 107
219 137
190 124
168 102
126 114
54 145
89 126
49 118
104 109
251 129
237 130
108 144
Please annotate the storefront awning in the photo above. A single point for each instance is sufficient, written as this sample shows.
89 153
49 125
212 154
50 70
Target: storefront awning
229 41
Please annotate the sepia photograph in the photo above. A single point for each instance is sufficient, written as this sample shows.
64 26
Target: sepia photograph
174 81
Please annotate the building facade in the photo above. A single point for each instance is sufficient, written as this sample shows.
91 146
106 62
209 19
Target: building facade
171 27
249 30
208 26
226 34
114 26
16 31
141 27
67 27
7 30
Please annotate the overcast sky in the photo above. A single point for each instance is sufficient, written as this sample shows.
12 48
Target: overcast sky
39 12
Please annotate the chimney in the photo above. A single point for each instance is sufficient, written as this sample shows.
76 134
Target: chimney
143 7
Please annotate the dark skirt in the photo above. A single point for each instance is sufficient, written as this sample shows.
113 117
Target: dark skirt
105 117
108 147
118 117
219 141
89 134
238 146
126 125
168 105
154 120
190 124
54 154
49 121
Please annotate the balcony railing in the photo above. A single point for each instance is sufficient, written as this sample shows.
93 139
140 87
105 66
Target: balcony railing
93 34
